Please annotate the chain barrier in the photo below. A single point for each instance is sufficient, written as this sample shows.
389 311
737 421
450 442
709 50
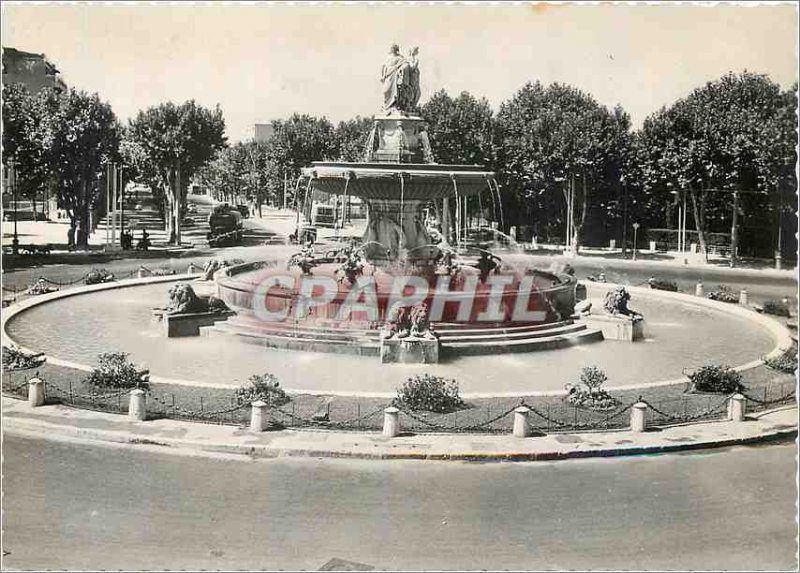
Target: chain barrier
453 428
14 388
92 397
702 414
66 283
351 421
201 415
784 398
602 424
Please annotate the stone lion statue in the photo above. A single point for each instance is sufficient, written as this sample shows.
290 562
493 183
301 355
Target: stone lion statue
183 300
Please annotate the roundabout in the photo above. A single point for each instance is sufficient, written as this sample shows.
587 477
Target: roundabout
682 332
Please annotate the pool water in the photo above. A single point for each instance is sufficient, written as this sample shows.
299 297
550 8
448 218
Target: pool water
677 336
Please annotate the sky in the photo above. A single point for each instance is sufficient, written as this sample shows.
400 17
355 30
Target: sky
263 61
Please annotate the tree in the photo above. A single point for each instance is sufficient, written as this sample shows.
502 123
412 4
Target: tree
460 129
230 173
85 137
351 138
296 143
558 138
27 136
175 141
734 134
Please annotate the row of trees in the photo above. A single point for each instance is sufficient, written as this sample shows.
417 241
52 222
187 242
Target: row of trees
65 141
550 146
62 141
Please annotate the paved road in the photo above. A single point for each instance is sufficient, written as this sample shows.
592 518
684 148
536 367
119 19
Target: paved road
77 506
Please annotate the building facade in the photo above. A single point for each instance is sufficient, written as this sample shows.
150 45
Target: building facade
34 71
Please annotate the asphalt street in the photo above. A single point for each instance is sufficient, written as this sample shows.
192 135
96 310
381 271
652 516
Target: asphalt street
75 506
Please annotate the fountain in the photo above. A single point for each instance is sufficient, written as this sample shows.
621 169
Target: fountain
343 301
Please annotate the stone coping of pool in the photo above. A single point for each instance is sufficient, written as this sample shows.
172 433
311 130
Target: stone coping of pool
782 334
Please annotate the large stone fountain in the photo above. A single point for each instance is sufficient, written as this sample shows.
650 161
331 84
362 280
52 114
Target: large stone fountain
482 305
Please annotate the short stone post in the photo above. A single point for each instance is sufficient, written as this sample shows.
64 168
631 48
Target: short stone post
743 296
258 416
35 392
522 427
391 422
638 414
193 269
142 273
737 405
136 408
698 290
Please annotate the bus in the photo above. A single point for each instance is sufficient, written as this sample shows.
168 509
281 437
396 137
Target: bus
323 215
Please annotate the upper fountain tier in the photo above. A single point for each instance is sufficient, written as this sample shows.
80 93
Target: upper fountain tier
398 175
397 156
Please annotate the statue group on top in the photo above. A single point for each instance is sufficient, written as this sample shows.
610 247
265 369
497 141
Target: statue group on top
400 77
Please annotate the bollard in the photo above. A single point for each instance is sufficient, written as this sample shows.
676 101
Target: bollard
136 408
35 392
522 427
737 406
142 273
743 296
391 422
638 412
258 416
192 269
698 290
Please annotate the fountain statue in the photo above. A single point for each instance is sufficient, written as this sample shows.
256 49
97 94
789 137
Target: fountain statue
404 280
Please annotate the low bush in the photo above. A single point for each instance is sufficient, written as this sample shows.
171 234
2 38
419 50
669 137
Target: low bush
724 294
662 284
589 391
115 371
786 362
429 393
16 359
777 308
97 276
715 378
264 387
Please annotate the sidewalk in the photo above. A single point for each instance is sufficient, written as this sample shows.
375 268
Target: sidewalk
170 436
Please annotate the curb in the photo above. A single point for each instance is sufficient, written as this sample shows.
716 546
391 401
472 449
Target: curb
45 430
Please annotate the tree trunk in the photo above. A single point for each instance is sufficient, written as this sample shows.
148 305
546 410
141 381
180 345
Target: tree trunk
178 197
700 223
584 208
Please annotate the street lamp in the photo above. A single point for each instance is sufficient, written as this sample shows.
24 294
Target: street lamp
635 228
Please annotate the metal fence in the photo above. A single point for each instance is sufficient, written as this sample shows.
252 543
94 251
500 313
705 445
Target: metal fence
545 417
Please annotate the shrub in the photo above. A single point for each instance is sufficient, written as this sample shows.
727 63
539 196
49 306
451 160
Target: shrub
786 362
16 359
265 387
97 276
662 284
116 371
430 394
724 294
715 378
589 392
777 307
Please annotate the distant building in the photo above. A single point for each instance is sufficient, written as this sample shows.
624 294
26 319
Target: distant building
34 71
263 132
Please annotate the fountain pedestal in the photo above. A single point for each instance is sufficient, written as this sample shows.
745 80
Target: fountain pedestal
409 350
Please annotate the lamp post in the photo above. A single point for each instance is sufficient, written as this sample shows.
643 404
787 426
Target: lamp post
635 229
13 181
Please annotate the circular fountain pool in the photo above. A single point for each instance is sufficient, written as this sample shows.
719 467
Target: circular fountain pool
678 334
